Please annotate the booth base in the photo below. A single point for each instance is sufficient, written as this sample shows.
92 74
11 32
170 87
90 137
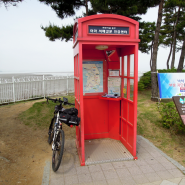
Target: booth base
105 150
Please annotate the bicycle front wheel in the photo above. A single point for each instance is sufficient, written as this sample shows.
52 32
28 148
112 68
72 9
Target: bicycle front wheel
58 151
50 137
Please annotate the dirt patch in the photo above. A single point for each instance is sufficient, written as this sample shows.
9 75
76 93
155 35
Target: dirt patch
23 149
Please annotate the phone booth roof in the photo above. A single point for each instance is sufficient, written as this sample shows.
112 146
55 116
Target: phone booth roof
111 28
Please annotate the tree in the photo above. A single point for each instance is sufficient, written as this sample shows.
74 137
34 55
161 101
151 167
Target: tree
64 8
146 35
10 2
181 60
181 30
154 57
167 31
174 9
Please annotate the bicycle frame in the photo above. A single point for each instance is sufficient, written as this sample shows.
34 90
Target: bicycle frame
57 128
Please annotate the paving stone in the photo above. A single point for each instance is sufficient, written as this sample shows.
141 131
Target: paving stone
69 171
73 179
84 178
182 182
97 176
176 173
150 149
110 174
118 165
146 184
82 169
140 149
56 181
127 181
151 160
140 179
145 155
144 144
94 168
157 167
166 182
146 169
107 166
161 159
130 164
157 183
123 173
152 177
140 162
168 165
175 180
164 174
155 154
87 183
104 182
114 182
135 170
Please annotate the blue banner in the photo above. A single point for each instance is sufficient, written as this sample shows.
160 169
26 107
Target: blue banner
171 84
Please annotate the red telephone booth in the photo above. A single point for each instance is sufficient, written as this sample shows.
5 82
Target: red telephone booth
106 61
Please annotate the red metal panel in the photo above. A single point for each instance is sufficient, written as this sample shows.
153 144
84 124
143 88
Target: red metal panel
124 130
131 112
114 65
114 118
124 109
95 116
130 137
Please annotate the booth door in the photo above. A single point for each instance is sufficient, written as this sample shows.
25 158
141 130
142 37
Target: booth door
127 104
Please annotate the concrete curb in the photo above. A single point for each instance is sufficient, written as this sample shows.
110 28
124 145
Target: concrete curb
46 174
179 166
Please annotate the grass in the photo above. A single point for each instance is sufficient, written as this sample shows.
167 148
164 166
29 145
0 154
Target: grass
39 114
149 126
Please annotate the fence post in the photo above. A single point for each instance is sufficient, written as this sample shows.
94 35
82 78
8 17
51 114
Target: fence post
67 85
43 86
13 89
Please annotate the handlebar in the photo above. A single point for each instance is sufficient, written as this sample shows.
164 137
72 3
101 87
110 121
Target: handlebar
65 100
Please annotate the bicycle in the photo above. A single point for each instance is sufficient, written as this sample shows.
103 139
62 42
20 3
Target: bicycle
56 134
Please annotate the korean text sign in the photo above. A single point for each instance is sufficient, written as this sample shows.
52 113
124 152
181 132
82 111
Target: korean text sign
180 105
171 84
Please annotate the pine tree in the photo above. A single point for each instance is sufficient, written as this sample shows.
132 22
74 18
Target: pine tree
154 57
10 2
132 9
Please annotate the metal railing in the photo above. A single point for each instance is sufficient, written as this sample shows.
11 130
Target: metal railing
32 87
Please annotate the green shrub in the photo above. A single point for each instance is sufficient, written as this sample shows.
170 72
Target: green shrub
145 80
141 86
171 118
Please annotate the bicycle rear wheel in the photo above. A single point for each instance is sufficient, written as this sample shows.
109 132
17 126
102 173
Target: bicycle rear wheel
58 152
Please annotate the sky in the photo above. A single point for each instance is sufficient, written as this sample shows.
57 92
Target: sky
24 47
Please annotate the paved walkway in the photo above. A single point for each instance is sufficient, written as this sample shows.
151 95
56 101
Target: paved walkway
153 167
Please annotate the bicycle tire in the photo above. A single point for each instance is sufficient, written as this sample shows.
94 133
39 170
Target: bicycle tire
50 137
57 154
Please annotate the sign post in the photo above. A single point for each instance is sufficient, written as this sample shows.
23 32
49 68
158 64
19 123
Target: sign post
180 105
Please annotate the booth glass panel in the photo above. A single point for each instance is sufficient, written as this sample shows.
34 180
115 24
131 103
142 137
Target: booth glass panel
125 88
131 89
132 65
125 66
